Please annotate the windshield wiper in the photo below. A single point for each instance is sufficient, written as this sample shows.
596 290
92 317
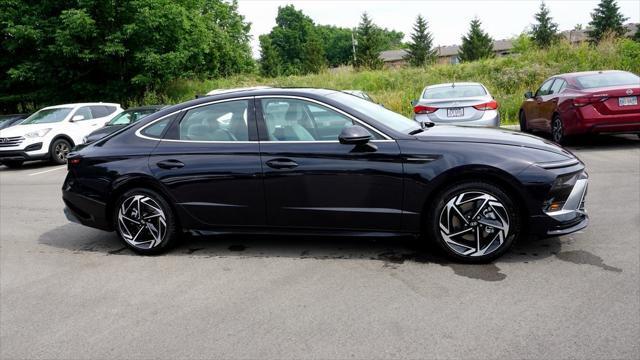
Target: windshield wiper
416 131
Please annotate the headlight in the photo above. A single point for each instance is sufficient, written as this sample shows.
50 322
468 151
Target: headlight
37 133
562 187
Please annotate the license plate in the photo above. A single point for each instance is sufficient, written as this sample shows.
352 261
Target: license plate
628 101
455 112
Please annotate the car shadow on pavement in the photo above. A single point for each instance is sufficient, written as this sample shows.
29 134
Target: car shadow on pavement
604 142
392 253
29 166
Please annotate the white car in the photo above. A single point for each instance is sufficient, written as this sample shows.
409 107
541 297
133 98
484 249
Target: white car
50 133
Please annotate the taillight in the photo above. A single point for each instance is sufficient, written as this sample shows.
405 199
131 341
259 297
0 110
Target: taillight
583 101
491 105
421 109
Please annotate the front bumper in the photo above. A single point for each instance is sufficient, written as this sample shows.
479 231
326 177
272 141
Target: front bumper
570 218
21 155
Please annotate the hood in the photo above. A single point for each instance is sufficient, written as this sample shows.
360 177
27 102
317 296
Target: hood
490 136
20 129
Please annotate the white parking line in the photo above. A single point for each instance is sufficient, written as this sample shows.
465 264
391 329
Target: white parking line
46 171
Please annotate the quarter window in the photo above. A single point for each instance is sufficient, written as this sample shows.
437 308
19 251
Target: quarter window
299 120
225 121
157 129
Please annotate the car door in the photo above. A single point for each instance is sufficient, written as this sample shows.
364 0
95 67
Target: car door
535 119
209 161
311 180
77 129
550 103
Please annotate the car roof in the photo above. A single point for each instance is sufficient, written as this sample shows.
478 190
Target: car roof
79 104
231 90
147 107
582 73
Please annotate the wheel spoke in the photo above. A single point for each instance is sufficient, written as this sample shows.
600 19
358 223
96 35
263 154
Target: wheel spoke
148 218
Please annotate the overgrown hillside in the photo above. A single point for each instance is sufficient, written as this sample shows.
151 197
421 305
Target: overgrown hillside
507 77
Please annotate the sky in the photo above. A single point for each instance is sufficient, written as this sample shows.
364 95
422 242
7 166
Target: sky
448 19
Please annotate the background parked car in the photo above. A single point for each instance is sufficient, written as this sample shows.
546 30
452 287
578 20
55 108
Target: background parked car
121 120
10 120
465 103
50 133
583 102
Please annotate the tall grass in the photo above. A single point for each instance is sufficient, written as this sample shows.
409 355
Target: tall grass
507 78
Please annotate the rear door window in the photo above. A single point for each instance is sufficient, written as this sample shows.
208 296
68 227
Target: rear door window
99 111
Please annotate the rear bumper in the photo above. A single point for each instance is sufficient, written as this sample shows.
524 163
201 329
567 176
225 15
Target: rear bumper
86 211
589 120
490 118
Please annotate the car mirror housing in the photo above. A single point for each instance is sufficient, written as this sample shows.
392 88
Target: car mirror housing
528 95
77 118
354 135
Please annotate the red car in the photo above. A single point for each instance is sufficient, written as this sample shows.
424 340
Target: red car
583 103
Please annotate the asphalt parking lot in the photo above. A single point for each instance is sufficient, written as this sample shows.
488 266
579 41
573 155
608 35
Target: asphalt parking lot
69 292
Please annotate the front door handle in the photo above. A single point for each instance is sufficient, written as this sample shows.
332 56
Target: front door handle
170 164
282 164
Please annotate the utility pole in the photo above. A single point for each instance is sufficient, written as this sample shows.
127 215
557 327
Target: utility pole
354 43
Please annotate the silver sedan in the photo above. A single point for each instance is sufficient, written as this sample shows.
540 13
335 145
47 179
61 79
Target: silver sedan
457 104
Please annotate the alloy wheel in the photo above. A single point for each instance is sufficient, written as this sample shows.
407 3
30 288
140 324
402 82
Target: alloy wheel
474 223
556 130
141 222
61 151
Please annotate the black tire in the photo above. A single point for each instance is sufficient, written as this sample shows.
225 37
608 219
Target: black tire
13 164
472 240
59 150
523 122
557 130
134 229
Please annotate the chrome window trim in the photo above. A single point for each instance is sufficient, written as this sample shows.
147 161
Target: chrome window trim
385 136
139 134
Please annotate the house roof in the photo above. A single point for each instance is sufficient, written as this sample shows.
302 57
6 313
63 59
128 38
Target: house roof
393 55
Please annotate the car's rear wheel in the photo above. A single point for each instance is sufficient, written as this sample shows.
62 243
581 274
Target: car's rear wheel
59 151
523 122
145 222
474 222
13 164
557 130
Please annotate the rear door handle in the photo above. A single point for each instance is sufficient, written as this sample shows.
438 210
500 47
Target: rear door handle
282 164
170 164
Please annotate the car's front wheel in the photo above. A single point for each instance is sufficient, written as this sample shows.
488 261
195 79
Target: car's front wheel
145 222
59 150
473 222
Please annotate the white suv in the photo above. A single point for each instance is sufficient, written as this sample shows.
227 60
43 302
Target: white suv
52 132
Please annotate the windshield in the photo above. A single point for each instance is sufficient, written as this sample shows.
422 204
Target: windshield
454 92
389 118
130 116
46 116
608 79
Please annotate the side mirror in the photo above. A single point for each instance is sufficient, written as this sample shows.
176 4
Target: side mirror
528 95
354 135
414 102
77 118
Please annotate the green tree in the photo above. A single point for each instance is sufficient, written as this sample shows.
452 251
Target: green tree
476 44
337 44
114 50
636 36
606 19
391 39
419 51
270 62
545 31
294 38
370 43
